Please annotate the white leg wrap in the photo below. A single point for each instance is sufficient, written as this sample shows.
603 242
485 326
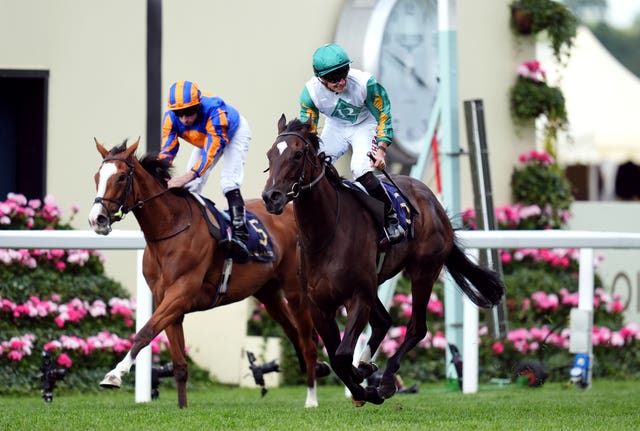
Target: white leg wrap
124 366
365 356
312 397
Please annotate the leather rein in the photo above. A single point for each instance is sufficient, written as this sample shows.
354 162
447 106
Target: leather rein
299 186
123 209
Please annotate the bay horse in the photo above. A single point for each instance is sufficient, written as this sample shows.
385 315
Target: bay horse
183 265
341 264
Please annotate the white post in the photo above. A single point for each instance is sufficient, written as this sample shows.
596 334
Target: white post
585 300
585 289
470 318
470 347
143 314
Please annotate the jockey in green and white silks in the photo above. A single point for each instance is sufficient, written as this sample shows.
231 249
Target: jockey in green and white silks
358 115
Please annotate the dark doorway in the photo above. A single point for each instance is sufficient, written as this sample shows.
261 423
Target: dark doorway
23 132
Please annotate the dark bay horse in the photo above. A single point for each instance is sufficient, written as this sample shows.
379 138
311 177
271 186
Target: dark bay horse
183 265
339 256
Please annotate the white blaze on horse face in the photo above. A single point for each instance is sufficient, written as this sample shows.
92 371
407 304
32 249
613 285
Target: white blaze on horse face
106 171
281 146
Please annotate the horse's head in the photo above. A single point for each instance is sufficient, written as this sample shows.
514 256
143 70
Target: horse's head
114 186
293 164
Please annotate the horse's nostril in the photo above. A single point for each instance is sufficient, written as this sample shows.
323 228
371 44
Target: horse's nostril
102 220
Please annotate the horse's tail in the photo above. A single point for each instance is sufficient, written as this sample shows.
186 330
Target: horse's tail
482 286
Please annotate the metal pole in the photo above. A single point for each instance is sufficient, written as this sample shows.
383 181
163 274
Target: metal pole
447 44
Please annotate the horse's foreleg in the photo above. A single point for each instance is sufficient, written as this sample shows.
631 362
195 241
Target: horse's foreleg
113 379
380 321
357 317
416 330
175 334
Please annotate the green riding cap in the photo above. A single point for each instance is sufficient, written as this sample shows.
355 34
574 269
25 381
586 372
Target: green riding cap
328 58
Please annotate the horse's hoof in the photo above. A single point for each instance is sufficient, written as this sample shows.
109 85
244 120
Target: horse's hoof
357 403
373 396
366 369
386 391
310 405
363 371
322 369
111 381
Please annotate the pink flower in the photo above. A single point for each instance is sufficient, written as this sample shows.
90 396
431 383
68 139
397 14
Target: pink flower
498 348
15 355
64 360
52 345
616 307
439 341
59 321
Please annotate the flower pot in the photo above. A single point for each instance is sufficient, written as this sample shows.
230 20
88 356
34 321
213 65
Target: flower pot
521 19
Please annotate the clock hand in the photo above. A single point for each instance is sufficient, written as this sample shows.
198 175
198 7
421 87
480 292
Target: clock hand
411 70
418 79
397 59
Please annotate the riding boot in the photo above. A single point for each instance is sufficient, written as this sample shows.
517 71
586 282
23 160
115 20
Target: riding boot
239 232
394 231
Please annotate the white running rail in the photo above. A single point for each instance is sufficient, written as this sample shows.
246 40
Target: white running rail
134 240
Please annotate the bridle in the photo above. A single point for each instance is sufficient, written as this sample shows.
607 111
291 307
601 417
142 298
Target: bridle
123 209
298 186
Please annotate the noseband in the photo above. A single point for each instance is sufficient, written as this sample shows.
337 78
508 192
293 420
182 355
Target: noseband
299 186
123 209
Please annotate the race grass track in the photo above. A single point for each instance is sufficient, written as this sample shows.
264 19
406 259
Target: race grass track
608 405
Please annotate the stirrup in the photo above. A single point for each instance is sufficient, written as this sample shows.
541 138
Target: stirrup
394 234
236 248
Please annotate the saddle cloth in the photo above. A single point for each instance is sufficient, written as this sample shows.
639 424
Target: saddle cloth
259 243
399 204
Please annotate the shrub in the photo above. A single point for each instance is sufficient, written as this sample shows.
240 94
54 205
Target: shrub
60 302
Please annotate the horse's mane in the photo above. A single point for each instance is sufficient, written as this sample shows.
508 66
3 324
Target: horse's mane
160 169
332 174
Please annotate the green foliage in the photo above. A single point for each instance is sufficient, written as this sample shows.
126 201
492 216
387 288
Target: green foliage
536 182
530 99
550 16
61 302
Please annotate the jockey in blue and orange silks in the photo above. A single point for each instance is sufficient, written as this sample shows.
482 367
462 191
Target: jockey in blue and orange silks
215 129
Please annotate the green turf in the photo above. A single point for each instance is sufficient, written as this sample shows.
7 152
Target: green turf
608 405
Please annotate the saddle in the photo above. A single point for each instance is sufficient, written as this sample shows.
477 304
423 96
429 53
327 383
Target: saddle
376 208
219 222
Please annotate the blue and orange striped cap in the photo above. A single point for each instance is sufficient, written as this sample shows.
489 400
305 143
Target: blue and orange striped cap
183 94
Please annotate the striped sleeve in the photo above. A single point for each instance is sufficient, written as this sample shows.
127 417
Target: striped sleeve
378 104
308 110
217 138
170 145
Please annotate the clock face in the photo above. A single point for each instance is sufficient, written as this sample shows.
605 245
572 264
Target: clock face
408 69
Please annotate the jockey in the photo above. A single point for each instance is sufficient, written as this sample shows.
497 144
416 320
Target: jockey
213 128
357 115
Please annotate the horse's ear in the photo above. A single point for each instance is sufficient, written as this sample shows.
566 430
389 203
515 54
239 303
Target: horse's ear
132 149
135 144
102 150
282 123
308 123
